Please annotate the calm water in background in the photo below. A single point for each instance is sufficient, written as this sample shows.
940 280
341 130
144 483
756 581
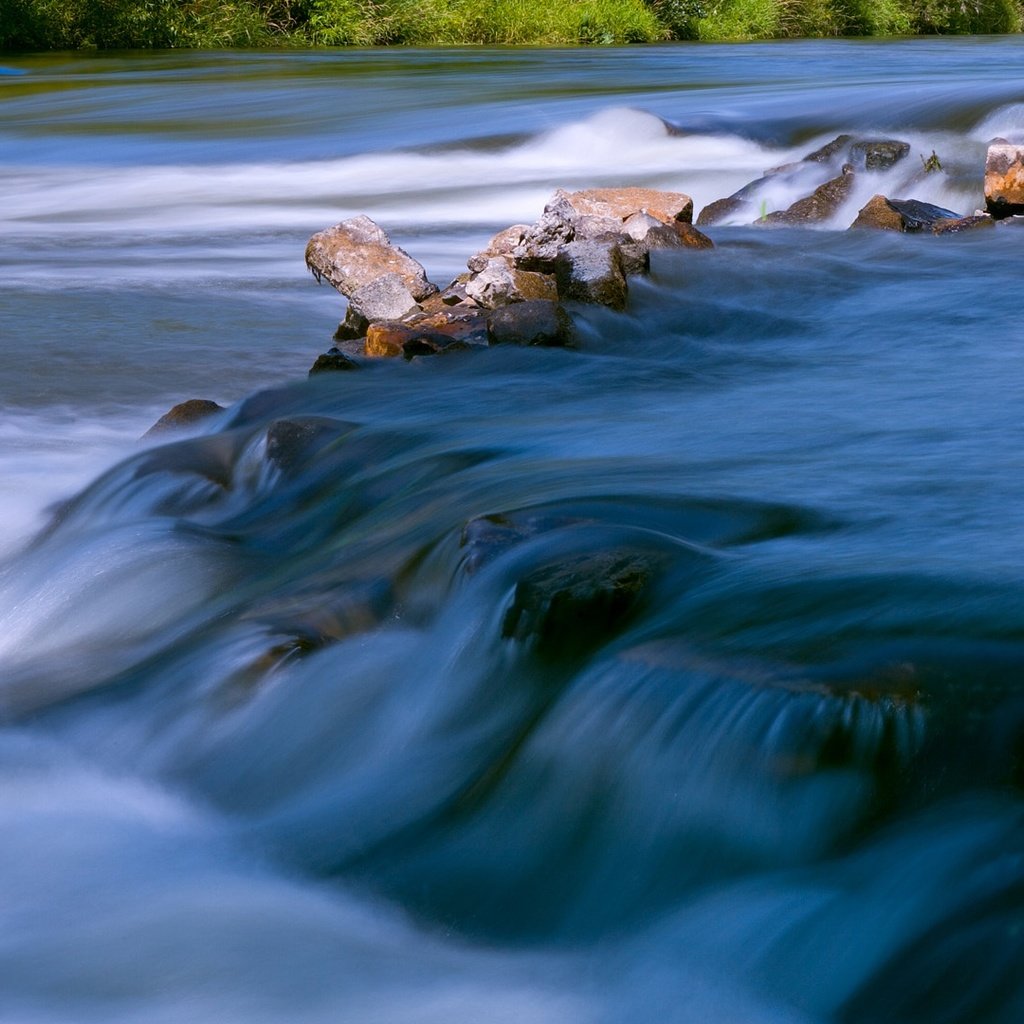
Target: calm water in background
266 751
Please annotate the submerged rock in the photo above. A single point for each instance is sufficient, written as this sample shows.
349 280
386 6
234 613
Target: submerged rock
184 414
906 215
1004 179
830 151
357 252
733 208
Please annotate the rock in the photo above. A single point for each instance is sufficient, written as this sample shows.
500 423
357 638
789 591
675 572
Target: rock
503 243
184 414
292 443
907 215
591 271
427 335
581 601
332 361
355 252
500 282
959 224
352 327
384 298
621 203
1004 179
690 237
829 151
821 204
878 154
732 209
534 322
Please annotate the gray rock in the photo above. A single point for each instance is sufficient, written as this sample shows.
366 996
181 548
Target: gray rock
535 322
384 298
878 154
500 282
592 271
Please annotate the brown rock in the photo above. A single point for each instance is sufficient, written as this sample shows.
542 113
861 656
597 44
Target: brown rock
830 150
357 251
621 203
878 154
184 414
427 335
733 209
959 224
906 215
1004 179
821 204
503 243
535 322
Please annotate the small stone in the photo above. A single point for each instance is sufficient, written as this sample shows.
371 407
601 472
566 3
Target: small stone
333 361
352 327
183 415
947 226
1004 179
535 322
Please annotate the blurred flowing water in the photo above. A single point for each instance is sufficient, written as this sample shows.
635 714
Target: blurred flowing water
295 721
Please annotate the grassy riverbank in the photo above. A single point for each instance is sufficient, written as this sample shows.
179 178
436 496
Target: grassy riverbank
111 24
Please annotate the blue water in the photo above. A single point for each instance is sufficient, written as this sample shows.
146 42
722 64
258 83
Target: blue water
288 733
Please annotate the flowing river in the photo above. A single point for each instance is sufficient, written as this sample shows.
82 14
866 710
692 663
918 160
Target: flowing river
288 729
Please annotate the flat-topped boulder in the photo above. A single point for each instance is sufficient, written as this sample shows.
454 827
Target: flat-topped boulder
621 203
1004 179
357 252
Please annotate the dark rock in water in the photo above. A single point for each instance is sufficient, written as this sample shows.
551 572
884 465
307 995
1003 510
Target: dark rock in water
535 322
352 327
821 204
292 443
1004 179
907 215
732 208
572 606
332 361
592 271
955 227
356 252
878 154
830 150
184 414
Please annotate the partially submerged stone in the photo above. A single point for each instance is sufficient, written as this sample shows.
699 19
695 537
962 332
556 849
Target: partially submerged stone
184 415
830 151
878 154
356 252
733 209
592 271
907 215
1004 179
333 361
819 206
535 322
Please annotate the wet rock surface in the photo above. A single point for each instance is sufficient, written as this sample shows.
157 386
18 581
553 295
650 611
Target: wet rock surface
184 415
822 204
906 215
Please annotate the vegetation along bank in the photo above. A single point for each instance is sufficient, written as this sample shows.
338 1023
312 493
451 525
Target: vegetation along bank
32 25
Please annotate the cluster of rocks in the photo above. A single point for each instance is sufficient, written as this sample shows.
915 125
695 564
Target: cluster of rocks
584 248
849 158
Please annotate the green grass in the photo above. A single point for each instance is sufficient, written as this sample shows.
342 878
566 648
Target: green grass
116 24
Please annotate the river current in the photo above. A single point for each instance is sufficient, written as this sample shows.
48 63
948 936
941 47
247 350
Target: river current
287 729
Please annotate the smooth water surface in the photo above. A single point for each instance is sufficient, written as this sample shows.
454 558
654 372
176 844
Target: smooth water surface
288 728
